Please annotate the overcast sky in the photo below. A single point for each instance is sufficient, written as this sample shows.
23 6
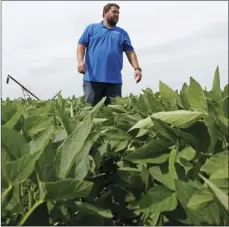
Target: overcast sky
173 40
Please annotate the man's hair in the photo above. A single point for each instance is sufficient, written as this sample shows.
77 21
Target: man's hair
107 7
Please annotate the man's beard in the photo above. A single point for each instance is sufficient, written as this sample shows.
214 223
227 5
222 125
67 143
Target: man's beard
112 21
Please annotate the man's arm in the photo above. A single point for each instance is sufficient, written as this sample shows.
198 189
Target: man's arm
132 58
80 56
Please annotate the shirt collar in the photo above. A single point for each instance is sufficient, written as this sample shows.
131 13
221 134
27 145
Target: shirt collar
102 25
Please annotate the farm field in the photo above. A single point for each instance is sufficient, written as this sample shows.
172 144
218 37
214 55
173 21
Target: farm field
154 159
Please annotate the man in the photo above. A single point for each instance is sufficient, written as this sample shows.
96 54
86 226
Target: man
104 44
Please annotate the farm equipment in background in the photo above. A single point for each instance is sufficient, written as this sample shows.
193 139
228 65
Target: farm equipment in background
25 90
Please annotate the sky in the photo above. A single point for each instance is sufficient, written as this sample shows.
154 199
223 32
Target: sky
174 40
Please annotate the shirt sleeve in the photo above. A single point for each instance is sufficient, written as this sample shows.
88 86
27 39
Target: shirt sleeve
85 37
127 46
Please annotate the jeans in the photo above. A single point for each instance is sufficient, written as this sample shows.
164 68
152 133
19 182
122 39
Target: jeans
95 91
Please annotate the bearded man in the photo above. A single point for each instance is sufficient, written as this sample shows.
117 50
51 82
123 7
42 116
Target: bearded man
104 44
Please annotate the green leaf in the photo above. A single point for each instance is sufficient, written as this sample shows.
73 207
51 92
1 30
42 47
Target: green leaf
41 141
220 178
172 160
208 215
200 199
163 129
71 147
215 162
45 166
158 199
216 86
163 176
118 108
223 123
220 195
91 209
192 140
224 107
214 133
170 98
117 134
156 151
144 175
64 189
34 125
179 118
225 91
145 123
20 169
13 120
196 96
184 96
16 147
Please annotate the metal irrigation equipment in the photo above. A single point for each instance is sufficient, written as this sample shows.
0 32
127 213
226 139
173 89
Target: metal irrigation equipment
24 89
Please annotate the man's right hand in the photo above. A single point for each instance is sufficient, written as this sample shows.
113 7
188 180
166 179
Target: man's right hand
81 67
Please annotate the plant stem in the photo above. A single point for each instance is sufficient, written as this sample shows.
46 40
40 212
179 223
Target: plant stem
22 222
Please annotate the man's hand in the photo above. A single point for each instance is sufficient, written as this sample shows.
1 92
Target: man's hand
137 75
81 67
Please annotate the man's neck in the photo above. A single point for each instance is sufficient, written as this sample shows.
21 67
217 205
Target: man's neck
107 24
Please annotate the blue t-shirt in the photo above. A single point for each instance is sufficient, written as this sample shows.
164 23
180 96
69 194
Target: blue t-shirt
104 53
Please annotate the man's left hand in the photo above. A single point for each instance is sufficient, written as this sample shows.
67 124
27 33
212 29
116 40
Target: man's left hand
137 75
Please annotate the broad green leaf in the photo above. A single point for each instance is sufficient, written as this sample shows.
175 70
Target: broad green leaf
20 169
223 123
207 215
71 147
220 178
41 141
7 111
170 98
163 177
214 133
196 97
156 151
172 160
215 163
142 132
117 134
154 104
64 189
94 111
184 157
89 208
34 125
155 219
45 166
179 118
163 129
216 86
200 131
187 153
220 195
225 91
192 140
145 175
13 120
118 108
121 145
224 107
184 96
200 199
98 121
158 199
145 123
16 147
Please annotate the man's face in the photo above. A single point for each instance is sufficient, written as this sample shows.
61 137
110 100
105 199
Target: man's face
112 15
